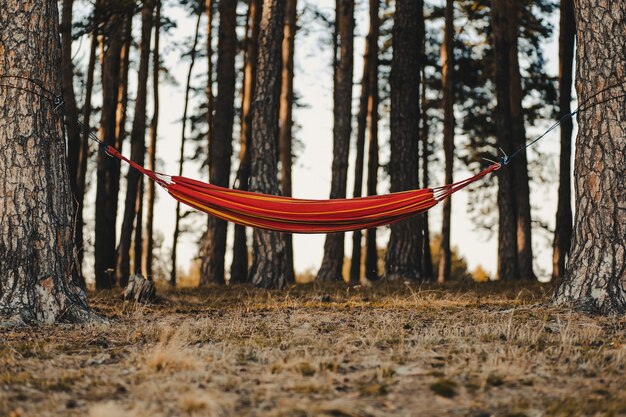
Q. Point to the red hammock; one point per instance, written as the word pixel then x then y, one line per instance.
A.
pixel 293 215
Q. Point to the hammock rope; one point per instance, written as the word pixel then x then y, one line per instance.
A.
pixel 293 215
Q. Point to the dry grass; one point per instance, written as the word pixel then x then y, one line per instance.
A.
pixel 463 350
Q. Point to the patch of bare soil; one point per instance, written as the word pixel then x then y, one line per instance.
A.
pixel 461 350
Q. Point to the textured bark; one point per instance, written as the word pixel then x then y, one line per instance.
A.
pixel 286 122
pixel 108 168
pixel 148 241
pixel 332 263
pixel 137 149
pixel 518 140
pixel 221 145
pixel 447 82
pixel 563 230
pixel 404 254
pixel 371 250
pixel 39 267
pixel 83 156
pixel 239 266
pixel 268 251
pixel 595 275
pixel 183 140
pixel 507 231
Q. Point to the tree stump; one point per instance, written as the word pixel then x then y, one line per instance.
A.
pixel 139 289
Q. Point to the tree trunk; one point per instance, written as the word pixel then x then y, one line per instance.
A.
pixel 108 168
pixel 69 98
pixel 447 82
pixel 595 274
pixel 221 146
pixel 371 250
pixel 138 233
pixel 427 261
pixel 39 268
pixel 138 148
pixel 83 156
pixel 518 136
pixel 563 230
pixel 148 241
pixel 268 250
pixel 507 232
pixel 239 266
pixel 332 263
pixel 355 262
pixel 183 139
pixel 286 121
pixel 404 254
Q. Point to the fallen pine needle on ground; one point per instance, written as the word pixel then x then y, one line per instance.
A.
pixel 317 350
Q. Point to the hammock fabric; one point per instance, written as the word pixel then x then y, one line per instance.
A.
pixel 292 215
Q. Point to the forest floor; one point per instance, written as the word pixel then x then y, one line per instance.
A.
pixel 313 350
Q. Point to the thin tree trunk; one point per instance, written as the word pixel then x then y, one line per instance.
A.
pixel 69 98
pixel 221 146
pixel 518 136
pixel 332 263
pixel 239 266
pixel 427 260
pixel 371 249
pixel 447 81
pixel 507 232
pixel 268 249
pixel 286 121
pixel 83 156
pixel 595 275
pixel 108 168
pixel 355 263
pixel 39 269
pixel 148 242
pixel 138 233
pixel 563 230
pixel 183 139
pixel 138 147
pixel 404 253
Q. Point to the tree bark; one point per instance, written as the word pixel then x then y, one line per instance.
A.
pixel 148 241
pixel 39 268
pixel 595 274
pixel 137 150
pixel 286 121
pixel 447 81
pixel 183 141
pixel 518 140
pixel 563 230
pixel 371 249
pixel 332 263
pixel 239 266
pixel 268 251
pixel 221 146
pixel 507 232
pixel 404 254
pixel 108 168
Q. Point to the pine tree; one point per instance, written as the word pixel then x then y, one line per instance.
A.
pixel 221 145
pixel 332 263
pixel 39 268
pixel 268 248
